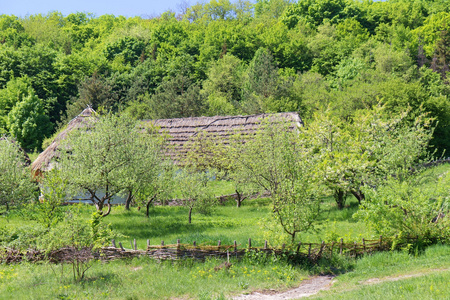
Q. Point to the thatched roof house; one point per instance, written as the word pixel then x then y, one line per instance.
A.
pixel 45 161
pixel 184 130
pixel 178 132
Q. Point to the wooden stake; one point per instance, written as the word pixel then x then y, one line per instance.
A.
pixel 148 244
pixel 235 247
pixel 341 246
pixel 113 242
pixel 265 244
pixel 135 245
pixel 364 244
pixel 162 243
pixel 249 243
pixel 121 247
pixel 195 244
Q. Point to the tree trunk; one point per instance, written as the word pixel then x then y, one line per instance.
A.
pixel 190 213
pixel 358 195
pixel 108 211
pixel 128 200
pixel 147 213
pixel 339 196
pixel 239 198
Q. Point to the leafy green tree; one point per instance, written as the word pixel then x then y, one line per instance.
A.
pixel 194 190
pixel 16 186
pixel 414 207
pixel 278 161
pixel 101 160
pixel 366 150
pixel 29 123
pixel 222 88
pixel 15 91
pixel 261 82
pixel 176 98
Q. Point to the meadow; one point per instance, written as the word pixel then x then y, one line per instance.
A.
pixel 389 275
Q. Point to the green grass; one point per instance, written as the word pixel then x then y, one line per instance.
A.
pixel 147 279
pixel 144 279
pixel 399 275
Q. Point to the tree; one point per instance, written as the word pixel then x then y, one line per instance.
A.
pixel 16 186
pixel 176 98
pixel 278 161
pixel 101 159
pixel 367 149
pixel 29 123
pixel 194 189
pixel 417 207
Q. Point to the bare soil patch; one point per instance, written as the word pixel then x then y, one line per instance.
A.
pixel 307 288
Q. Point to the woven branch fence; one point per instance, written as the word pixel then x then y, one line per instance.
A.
pixel 305 251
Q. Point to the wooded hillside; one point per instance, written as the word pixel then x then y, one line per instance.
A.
pixel 223 58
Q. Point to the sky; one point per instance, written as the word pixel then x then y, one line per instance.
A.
pixel 128 8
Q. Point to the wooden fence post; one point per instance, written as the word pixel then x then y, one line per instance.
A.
pixel 380 243
pixel 364 245
pixel 218 245
pixel 331 250
pixel 235 247
pixel 148 244
pixel 121 247
pixel 135 245
pixel 265 245
pixel 162 243
pixel 354 248
pixel 113 242
pixel 249 244
pixel 195 244
pixel 341 246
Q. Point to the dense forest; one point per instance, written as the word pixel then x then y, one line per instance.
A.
pixel 223 58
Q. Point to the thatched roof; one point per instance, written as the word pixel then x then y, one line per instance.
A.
pixel 181 131
pixel 178 132
pixel 26 158
pixel 45 160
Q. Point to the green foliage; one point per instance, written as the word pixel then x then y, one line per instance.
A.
pixel 108 158
pixel 29 123
pixel 415 207
pixel 194 190
pixel 277 161
pixel 54 193
pixel 16 186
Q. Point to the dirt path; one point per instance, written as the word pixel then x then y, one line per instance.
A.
pixel 307 288
pixel 320 283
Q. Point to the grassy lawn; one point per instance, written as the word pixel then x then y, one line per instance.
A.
pixel 396 275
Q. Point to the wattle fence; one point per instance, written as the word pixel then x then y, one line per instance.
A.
pixel 302 251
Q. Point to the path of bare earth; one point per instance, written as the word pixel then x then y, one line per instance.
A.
pixel 320 283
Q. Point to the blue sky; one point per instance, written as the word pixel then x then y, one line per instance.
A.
pixel 126 8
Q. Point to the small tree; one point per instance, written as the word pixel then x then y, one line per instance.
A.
pixel 16 186
pixel 54 192
pixel 277 161
pixel 366 150
pixel 416 207
pixel 106 159
pixel 77 240
pixel 194 189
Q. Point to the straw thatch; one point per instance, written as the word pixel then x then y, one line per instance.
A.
pixel 178 132
pixel 26 158
pixel 45 161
